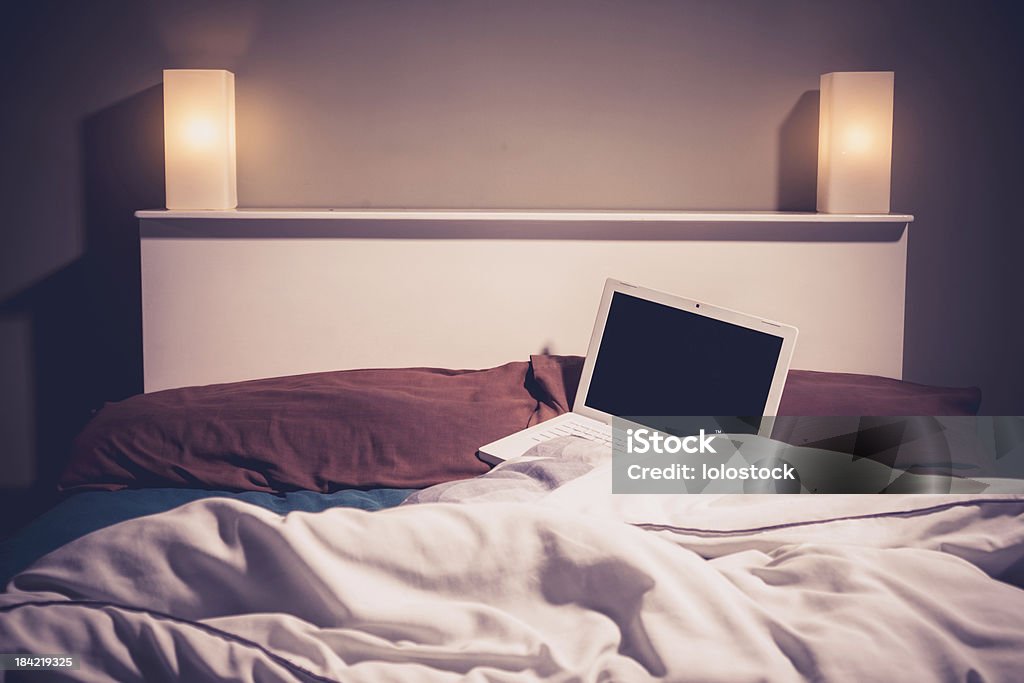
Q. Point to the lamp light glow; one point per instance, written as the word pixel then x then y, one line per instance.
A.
pixel 199 139
pixel 855 142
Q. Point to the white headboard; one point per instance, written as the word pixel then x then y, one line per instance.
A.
pixel 245 294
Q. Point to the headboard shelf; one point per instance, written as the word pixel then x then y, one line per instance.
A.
pixel 596 215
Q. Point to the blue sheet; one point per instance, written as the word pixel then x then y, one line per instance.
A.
pixel 84 513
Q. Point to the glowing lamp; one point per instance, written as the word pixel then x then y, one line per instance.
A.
pixel 199 139
pixel 855 142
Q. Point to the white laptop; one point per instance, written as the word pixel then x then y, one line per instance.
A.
pixel 656 354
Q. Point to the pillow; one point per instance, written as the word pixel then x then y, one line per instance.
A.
pixel 404 428
pixel 806 392
pixel 837 393
pixel 897 423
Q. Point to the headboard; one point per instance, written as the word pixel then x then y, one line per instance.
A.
pixel 234 295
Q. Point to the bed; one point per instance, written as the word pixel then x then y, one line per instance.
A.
pixel 337 527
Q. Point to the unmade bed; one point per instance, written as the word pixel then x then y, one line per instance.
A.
pixel 338 527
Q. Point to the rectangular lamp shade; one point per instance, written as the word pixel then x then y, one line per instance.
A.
pixel 199 139
pixel 855 142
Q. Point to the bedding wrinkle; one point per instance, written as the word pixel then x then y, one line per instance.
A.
pixel 834 569
pixel 567 580
pixel 119 626
pixel 921 592
pixel 796 651
pixel 943 582
pixel 155 655
pixel 795 639
pixel 361 648
pixel 256 554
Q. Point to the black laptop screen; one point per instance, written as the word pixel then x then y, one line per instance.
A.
pixel 659 360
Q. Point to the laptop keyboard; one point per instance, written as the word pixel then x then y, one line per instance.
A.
pixel 573 428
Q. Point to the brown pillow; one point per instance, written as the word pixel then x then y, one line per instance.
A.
pixel 837 393
pixel 806 393
pixel 359 428
pixel 862 415
pixel 899 424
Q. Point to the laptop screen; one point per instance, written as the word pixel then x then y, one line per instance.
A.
pixel 656 360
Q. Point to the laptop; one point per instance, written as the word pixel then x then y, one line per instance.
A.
pixel 656 354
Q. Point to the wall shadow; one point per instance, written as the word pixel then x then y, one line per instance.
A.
pixel 123 170
pixel 798 155
pixel 86 319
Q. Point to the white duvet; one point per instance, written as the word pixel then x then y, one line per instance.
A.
pixel 561 582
